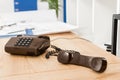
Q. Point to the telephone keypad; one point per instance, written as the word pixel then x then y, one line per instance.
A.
pixel 23 41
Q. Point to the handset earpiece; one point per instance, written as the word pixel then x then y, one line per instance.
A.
pixel 98 64
pixel 68 57
pixel 64 57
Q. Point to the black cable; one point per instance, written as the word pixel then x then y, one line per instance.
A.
pixel 56 48
pixel 50 53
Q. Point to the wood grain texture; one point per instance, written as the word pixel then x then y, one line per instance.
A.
pixel 38 68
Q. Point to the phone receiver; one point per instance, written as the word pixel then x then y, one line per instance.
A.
pixel 97 64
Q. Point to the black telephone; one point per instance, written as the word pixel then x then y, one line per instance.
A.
pixel 27 45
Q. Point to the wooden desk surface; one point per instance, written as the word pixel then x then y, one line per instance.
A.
pixel 38 68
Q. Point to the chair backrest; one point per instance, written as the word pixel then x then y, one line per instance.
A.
pixel 115 35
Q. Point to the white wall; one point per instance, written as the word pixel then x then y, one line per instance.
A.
pixel 94 18
pixel 85 18
pixel 60 16
pixel 103 11
pixel 79 12
pixel 6 6
pixel 71 11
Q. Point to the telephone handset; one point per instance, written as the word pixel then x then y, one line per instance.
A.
pixel 27 45
pixel 98 64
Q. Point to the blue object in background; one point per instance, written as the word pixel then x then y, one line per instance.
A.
pixel 64 11
pixel 25 5
pixel 29 31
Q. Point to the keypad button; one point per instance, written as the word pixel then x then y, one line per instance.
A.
pixel 23 41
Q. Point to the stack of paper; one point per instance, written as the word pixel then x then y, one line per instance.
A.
pixel 40 22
